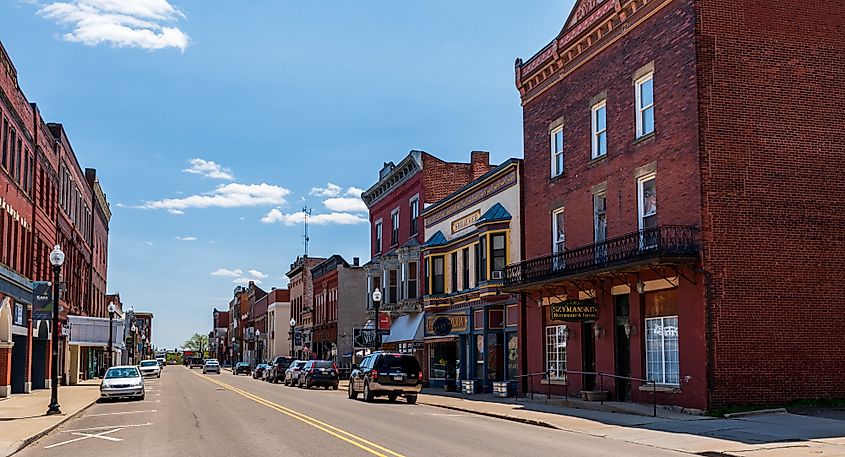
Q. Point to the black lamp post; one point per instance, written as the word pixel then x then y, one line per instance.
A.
pixel 376 304
pixel 57 258
pixel 258 345
pixel 292 340
pixel 111 341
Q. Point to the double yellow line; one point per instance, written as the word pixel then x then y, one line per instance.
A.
pixel 342 435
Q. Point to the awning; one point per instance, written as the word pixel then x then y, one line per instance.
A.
pixel 405 328
pixel 94 332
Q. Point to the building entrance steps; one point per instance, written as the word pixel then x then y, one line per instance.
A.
pixel 23 418
pixel 778 434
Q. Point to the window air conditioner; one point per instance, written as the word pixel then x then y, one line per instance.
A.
pixel 498 274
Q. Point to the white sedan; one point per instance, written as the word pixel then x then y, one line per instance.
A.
pixel 122 382
pixel 150 368
pixel 211 366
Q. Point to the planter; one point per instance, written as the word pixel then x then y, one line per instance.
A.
pixel 469 387
pixel 595 395
pixel 504 389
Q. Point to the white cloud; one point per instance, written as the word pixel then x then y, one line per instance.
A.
pixel 345 204
pixel 150 243
pixel 318 219
pixel 177 212
pixel 209 169
pixel 225 196
pixel 186 238
pixel 145 24
pixel 246 281
pixel 229 273
pixel 354 192
pixel 331 190
pixel 257 274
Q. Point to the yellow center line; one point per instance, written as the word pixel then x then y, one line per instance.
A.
pixel 340 434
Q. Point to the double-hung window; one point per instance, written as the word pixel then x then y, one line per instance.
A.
pixel 599 129
pixel 558 237
pixel 499 252
pixel 415 215
pixel 482 259
pixel 453 273
pixel 647 211
pixel 556 352
pixel 661 357
pixel 412 279
pixel 378 236
pixel 600 226
pixel 393 287
pixel 394 227
pixel 437 273
pixel 465 258
pixel 557 151
pixel 645 104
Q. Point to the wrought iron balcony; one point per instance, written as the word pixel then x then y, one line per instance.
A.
pixel 665 243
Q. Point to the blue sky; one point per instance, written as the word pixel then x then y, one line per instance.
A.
pixel 276 99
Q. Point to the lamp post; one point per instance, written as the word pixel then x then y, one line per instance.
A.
pixel 258 346
pixel 234 349
pixel 143 346
pixel 111 341
pixel 134 330
pixel 292 325
pixel 376 304
pixel 57 258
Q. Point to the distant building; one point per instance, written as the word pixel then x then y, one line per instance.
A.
pixel 340 304
pixel 302 303
pixel 278 323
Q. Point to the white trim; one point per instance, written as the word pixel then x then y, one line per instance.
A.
pixel 379 228
pixel 554 153
pixel 555 230
pixel 594 132
pixel 640 209
pixel 639 109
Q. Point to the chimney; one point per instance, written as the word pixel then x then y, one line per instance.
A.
pixel 355 261
pixel 480 161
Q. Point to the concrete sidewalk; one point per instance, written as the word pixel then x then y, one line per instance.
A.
pixel 23 418
pixel 766 435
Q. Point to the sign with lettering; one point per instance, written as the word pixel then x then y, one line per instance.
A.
pixel 42 306
pixel 17 317
pixel 465 222
pixel 574 310
pixel 500 184
pixel 364 337
pixel 581 13
pixel 448 323
pixel 384 323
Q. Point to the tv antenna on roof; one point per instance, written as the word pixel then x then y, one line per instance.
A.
pixel 306 212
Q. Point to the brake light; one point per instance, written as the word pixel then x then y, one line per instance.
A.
pixel 311 371
pixel 374 374
pixel 334 366
pixel 419 376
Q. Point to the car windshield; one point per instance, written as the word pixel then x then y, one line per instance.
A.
pixel 243 364
pixel 300 365
pixel 149 363
pixel 403 363
pixel 126 372
pixel 211 362
pixel 323 364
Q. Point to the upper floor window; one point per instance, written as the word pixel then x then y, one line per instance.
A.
pixel 499 252
pixel 481 255
pixel 453 273
pixel 415 215
pixel 412 279
pixel 437 275
pixel 647 190
pixel 394 227
pixel 465 258
pixel 599 129
pixel 645 104
pixel 4 143
pixel 557 151
pixel 558 235
pixel 378 236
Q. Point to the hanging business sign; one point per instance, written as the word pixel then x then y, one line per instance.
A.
pixel 384 323
pixel 574 310
pixel 363 338
pixel 42 306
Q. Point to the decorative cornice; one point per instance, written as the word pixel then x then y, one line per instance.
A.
pixel 587 33
pixel 408 167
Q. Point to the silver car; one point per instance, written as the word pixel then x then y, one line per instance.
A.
pixel 122 382
pixel 293 371
pixel 211 366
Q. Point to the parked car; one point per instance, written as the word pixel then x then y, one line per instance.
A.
pixel 278 367
pixel 161 362
pixel 122 382
pixel 293 371
pixel 150 368
pixel 172 362
pixel 241 367
pixel 258 372
pixel 386 374
pixel 211 366
pixel 319 373
pixel 196 362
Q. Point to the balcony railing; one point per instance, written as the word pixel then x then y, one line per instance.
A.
pixel 666 241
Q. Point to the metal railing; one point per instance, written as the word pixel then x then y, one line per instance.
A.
pixel 656 242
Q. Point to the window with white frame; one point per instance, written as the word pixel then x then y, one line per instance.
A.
pixel 647 210
pixel 644 88
pixel 599 129
pixel 557 151
pixel 556 352
pixel 415 215
pixel 662 359
pixel 558 235
pixel 378 236
pixel 394 227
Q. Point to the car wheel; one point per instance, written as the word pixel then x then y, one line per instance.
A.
pixel 391 397
pixel 334 387
pixel 307 383
pixel 159 375
pixel 411 399
pixel 141 398
pixel 351 392
pixel 368 394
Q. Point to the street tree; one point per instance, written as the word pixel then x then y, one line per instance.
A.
pixel 197 343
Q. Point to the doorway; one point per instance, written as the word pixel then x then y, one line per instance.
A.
pixel 588 351
pixel 623 348
pixel 39 363
pixel 19 364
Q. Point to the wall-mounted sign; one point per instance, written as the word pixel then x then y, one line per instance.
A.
pixel 450 323
pixel 363 337
pixel 574 310
pixel 384 323
pixel 17 317
pixel 42 306
pixel 465 222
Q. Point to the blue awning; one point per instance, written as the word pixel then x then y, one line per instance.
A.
pixel 405 328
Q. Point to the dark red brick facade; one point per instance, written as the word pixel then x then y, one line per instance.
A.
pixel 747 122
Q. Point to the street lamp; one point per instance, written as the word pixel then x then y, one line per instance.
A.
pixel 143 345
pixel 234 359
pixel 258 345
pixel 111 327
pixel 57 258
pixel 292 325
pixel 376 304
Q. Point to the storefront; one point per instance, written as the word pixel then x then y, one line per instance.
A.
pixel 446 337
pixel 406 337
pixel 88 345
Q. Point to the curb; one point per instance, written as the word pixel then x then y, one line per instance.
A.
pixel 43 433
pixel 758 412
pixel 521 420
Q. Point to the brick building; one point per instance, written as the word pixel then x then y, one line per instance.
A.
pixel 46 198
pixel 395 204
pixel 278 323
pixel 219 336
pixel 340 304
pixel 675 152
pixel 302 303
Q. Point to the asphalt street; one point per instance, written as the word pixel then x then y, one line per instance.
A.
pixel 186 413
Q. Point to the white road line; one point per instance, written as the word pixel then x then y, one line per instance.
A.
pixel 122 412
pixel 106 427
pixel 85 436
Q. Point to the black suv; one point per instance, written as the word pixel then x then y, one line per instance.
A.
pixel 319 373
pixel 387 374
pixel 278 367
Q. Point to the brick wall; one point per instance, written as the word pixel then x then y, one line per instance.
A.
pixel 771 160
pixel 442 178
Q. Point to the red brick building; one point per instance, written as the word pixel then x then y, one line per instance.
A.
pixel 45 199
pixel 677 154
pixel 395 204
